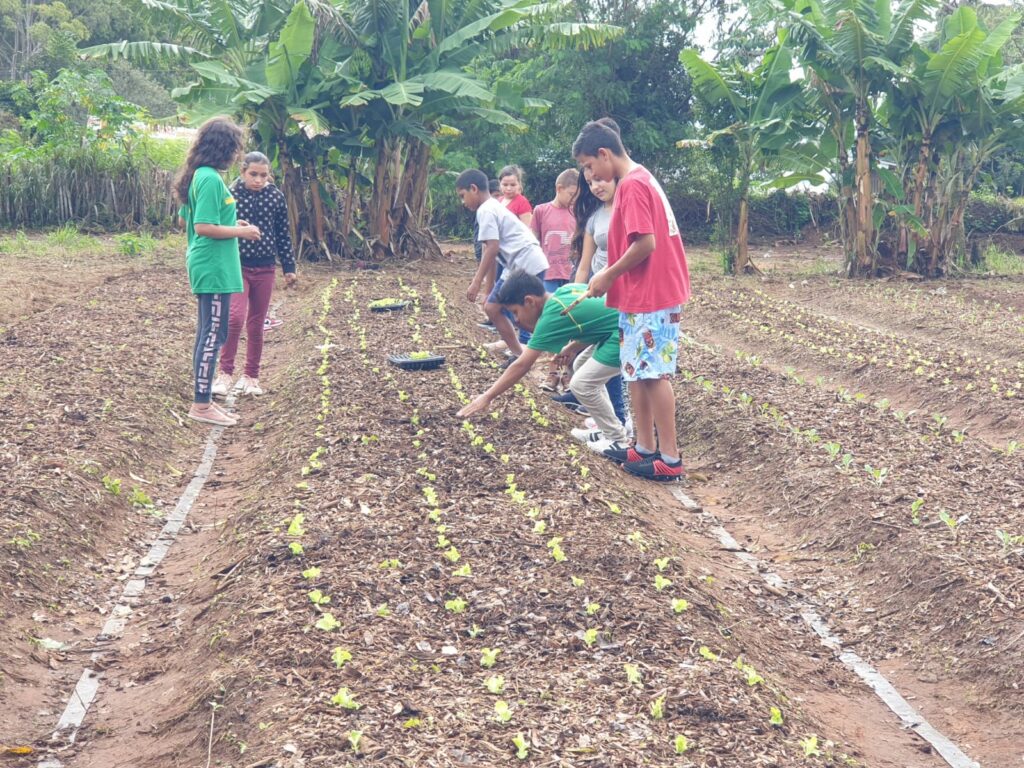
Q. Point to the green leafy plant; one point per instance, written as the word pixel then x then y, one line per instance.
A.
pixel 521 745
pixel 590 637
pixel 661 563
pixel 681 744
pixel 340 657
pixel 141 499
pixel 295 548
pixel 327 623
pixel 295 526
pixel 915 509
pixel 489 657
pixel 708 654
pixel 593 608
pixel 633 674
pixel 810 746
pixel 354 737
pixel 311 573
pixel 495 684
pixel 318 598
pixel 383 610
pixel 502 711
pixel 679 605
pixel 112 485
pixel 658 708
pixel 458 605
pixel 344 699
pixel 775 716
pixel 660 582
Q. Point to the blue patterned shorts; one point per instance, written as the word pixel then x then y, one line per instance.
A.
pixel 649 344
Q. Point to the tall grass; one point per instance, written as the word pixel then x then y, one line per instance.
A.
pixel 88 185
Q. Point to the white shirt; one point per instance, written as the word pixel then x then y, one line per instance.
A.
pixel 517 246
pixel 597 226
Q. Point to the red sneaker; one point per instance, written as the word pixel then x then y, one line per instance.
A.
pixel 656 468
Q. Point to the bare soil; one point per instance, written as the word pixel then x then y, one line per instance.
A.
pixel 436 539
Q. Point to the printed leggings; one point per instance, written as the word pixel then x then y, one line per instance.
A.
pixel 211 333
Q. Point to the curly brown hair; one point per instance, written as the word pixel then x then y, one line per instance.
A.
pixel 217 144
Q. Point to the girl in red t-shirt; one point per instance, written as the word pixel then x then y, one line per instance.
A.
pixel 511 181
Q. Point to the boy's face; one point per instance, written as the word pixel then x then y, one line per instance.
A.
pixel 599 166
pixel 564 195
pixel 527 313
pixel 472 198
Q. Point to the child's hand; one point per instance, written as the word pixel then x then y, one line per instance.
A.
pixel 247 231
pixel 480 404
pixel 600 283
pixel 290 279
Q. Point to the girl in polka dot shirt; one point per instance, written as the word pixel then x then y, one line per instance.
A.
pixel 261 204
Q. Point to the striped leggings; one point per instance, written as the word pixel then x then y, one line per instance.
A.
pixel 211 333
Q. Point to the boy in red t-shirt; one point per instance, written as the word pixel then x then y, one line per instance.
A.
pixel 647 281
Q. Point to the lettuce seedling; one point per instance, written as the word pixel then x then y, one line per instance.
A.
pixel 495 684
pixel 311 573
pixel 489 657
pixel 340 657
pixel 775 717
pixel 521 744
pixel 658 708
pixel 344 699
pixel 633 674
pixel 681 744
pixel 502 711
pixel 327 623
pixel 458 605
pixel 679 604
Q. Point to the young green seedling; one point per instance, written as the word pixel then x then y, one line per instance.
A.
pixel 489 657
pixel 590 637
pixel 679 604
pixel 593 608
pixel 660 582
pixel 502 711
pixel 658 708
pixel 522 746
pixel 340 657
pixel 327 623
pixel 633 674
pixel 354 737
pixel 495 684
pixel 318 598
pixel 344 699
pixel 775 717
pixel 681 744
pixel 458 605
pixel 311 573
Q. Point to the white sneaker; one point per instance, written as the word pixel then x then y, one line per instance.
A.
pixel 600 446
pixel 588 435
pixel 246 385
pixel 222 384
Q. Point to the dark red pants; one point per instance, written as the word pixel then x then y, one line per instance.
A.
pixel 248 309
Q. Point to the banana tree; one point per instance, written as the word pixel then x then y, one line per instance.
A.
pixel 956 105
pixel 850 48
pixel 354 90
pixel 758 105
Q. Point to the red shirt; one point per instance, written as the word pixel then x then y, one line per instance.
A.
pixel 554 228
pixel 518 205
pixel 660 281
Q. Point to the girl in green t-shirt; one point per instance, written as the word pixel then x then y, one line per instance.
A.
pixel 214 269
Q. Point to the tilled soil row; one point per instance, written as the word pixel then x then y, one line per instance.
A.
pixel 934 314
pixel 90 401
pixel 983 394
pixel 437 549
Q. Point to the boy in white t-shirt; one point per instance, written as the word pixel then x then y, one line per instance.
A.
pixel 506 240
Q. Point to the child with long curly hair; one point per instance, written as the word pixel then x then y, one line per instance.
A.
pixel 214 268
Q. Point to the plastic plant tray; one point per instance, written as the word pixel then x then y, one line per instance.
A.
pixel 410 363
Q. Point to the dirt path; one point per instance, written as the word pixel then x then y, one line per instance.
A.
pixel 350 492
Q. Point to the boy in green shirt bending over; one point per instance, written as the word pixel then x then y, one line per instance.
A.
pixel 588 325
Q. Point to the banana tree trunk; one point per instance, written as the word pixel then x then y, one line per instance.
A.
pixel 865 198
pixel 319 220
pixel 742 236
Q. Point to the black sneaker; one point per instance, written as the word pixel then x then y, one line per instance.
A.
pixel 656 468
pixel 629 454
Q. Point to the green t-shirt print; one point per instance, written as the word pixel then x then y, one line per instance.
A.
pixel 590 322
pixel 213 265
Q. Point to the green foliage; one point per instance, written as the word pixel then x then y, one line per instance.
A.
pixel 63 166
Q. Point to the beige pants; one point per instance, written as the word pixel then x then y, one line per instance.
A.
pixel 588 384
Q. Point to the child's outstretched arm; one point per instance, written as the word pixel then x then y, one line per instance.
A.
pixel 506 381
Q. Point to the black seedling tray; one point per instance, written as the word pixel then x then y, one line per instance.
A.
pixel 395 307
pixel 408 363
